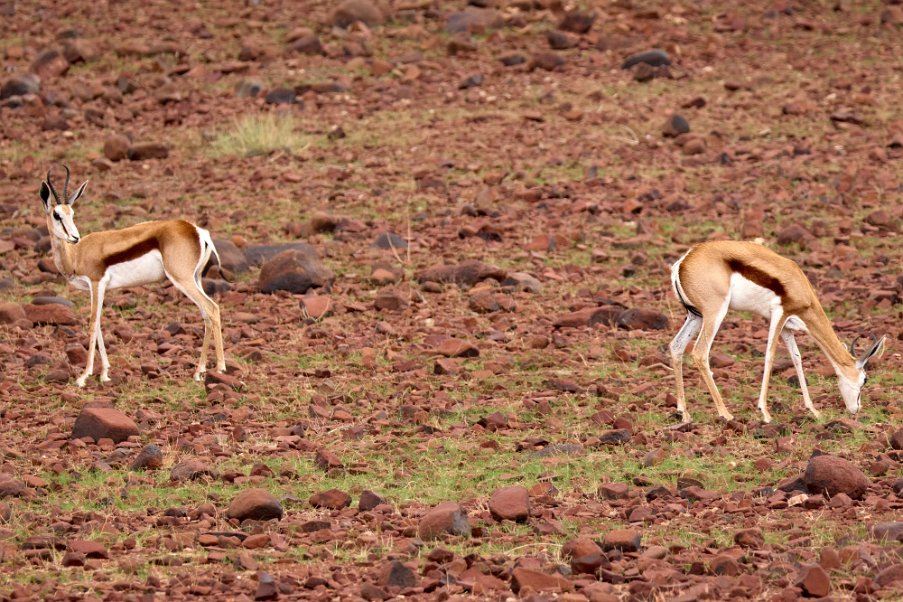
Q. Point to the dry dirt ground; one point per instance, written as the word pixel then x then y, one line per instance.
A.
pixel 486 431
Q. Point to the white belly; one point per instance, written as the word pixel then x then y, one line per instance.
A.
pixel 146 269
pixel 746 295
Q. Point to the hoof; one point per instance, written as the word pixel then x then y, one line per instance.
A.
pixel 80 382
pixel 199 376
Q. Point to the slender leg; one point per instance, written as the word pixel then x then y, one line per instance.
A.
pixel 701 350
pixel 777 324
pixel 93 328
pixel 104 362
pixel 687 332
pixel 797 359
pixel 211 314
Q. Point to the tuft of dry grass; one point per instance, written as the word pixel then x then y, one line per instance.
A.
pixel 257 135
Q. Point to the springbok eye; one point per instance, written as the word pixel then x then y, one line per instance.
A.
pixel 57 217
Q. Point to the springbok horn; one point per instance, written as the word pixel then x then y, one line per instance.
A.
pixel 66 184
pixel 853 346
pixel 52 189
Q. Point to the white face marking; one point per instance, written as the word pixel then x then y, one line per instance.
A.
pixel 146 269
pixel 62 224
pixel 746 295
pixel 851 391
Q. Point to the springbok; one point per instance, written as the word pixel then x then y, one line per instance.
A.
pixel 141 254
pixel 713 277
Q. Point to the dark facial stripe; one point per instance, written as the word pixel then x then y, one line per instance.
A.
pixel 134 252
pixel 757 276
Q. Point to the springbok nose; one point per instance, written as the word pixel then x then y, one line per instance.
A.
pixel 75 239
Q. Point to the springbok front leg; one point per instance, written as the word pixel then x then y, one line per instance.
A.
pixel 687 332
pixel 797 360
pixel 711 323
pixel 97 294
pixel 775 327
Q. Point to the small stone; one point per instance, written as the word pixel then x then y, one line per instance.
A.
pixel 793 233
pixel 547 61
pixel 814 581
pixel 445 518
pixel 116 148
pixel 255 504
pixel 615 437
pixel 104 423
pixel 749 538
pixel 266 587
pixel 333 499
pixel 309 43
pixel 473 20
pixel 582 546
pixel 396 574
pixel 280 96
pixel 654 58
pixel 523 578
pixel 148 150
pixel 54 314
pixel 249 88
pixel 316 306
pixel 350 12
pixel 642 319
pixel 389 241
pixel 389 300
pixel 674 126
pixel 896 440
pixel 149 458
pixel 577 22
pixel 510 503
pixel 890 531
pixel 327 460
pixel 371 592
pixel 457 348
pixel 90 549
pixel 613 491
pixel 20 85
pixel 560 40
pixel 191 469
pixel 11 313
pixel 626 540
pixel 369 500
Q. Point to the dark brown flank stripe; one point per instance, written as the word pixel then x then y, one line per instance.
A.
pixel 758 276
pixel 134 252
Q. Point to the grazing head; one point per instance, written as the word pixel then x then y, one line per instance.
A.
pixel 58 209
pixel 851 383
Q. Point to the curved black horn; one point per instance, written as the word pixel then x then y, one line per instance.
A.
pixel 853 346
pixel 52 189
pixel 66 184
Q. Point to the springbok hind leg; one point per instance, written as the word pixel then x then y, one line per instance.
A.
pixel 777 325
pixel 701 350
pixel 678 346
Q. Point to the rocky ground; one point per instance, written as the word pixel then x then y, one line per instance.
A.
pixel 446 232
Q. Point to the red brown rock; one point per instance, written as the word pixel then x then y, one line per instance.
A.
pixel 830 475
pixel 333 499
pixel 445 518
pixel 523 578
pixel 510 503
pixel 104 423
pixel 814 581
pixel 255 504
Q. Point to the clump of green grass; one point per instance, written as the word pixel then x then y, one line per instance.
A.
pixel 257 135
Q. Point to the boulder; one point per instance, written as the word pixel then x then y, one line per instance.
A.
pixel 116 147
pixel 148 150
pixel 231 257
pixel 830 475
pixel 11 312
pixel 295 271
pixel 626 540
pixel 191 470
pixel 523 578
pixel 53 314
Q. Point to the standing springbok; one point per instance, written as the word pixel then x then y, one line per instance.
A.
pixel 141 254
pixel 716 276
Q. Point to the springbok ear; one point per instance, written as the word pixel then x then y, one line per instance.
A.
pixel 45 197
pixel 875 350
pixel 77 193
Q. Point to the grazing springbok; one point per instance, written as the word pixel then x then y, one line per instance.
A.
pixel 716 276
pixel 141 254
